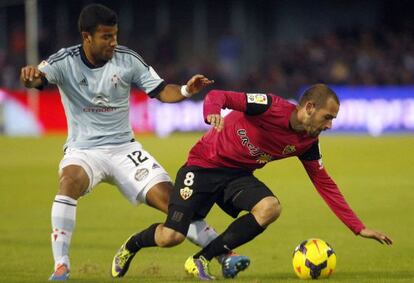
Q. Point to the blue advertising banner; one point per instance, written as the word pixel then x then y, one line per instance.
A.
pixel 364 110
pixel 375 110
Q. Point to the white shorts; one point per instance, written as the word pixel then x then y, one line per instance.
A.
pixel 127 166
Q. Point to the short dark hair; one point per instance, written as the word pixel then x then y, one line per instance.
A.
pixel 96 14
pixel 319 93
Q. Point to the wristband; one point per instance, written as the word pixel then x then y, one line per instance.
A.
pixel 184 91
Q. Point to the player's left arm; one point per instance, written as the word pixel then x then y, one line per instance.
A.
pixel 331 194
pixel 147 79
pixel 174 93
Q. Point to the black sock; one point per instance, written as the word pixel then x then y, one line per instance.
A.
pixel 143 239
pixel 241 231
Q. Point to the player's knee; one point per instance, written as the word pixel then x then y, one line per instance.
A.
pixel 170 238
pixel 267 210
pixel 276 209
pixel 71 186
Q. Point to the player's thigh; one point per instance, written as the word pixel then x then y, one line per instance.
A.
pixel 136 172
pixel 243 194
pixel 79 171
pixel 158 196
pixel 194 193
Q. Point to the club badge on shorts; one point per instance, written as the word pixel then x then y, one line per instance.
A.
pixel 186 192
pixel 141 174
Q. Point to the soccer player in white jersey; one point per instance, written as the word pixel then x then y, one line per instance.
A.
pixel 94 80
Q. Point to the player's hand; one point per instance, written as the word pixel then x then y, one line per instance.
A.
pixel 216 121
pixel 371 234
pixel 197 83
pixel 30 74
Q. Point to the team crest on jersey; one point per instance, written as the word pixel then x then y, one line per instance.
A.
pixel 115 80
pixel 141 174
pixel 289 149
pixel 257 98
pixel 186 193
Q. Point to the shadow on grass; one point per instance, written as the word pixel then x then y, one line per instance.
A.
pixel 382 275
pixel 368 276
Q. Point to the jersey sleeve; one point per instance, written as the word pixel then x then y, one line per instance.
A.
pixel 249 103
pixel 331 194
pixel 54 67
pixel 313 153
pixel 145 78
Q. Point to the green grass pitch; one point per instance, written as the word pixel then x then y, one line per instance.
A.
pixel 375 174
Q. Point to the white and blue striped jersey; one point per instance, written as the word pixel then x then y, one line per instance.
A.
pixel 96 99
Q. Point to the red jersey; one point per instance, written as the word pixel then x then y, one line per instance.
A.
pixel 257 132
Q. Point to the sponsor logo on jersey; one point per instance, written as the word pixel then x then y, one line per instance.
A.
pixel 186 193
pixel 245 141
pixel 100 100
pixel 260 155
pixel 289 149
pixel 141 174
pixel 258 98
pixel 99 110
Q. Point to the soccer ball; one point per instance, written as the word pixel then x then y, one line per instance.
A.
pixel 314 258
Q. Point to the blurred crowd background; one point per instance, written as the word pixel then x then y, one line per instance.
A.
pixel 252 45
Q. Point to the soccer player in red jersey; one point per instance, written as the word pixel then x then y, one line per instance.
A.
pixel 220 168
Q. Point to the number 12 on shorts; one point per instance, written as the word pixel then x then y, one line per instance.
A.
pixel 137 158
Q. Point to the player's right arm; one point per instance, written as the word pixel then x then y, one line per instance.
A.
pixel 48 71
pixel 249 103
pixel 32 77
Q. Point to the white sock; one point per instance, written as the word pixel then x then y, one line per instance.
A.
pixel 200 233
pixel 63 223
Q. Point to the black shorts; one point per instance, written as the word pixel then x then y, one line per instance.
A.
pixel 197 189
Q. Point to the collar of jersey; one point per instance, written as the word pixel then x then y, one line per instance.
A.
pixel 86 61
